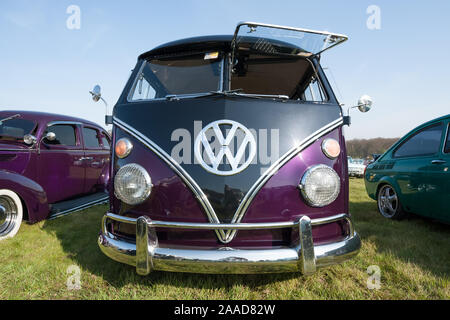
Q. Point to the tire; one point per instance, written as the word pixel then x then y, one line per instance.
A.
pixel 389 204
pixel 11 214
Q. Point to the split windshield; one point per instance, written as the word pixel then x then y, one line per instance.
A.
pixel 253 74
pixel 189 74
pixel 292 77
pixel 256 74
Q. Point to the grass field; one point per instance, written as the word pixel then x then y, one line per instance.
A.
pixel 413 256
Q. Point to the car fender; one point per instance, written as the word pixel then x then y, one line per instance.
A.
pixel 32 194
pixel 103 180
pixel 391 181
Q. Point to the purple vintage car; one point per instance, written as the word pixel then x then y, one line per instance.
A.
pixel 229 157
pixel 50 165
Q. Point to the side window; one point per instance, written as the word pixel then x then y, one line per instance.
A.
pixel 90 137
pixel 314 92
pixel 143 90
pixel 424 142
pixel 65 135
pixel 447 143
pixel 105 141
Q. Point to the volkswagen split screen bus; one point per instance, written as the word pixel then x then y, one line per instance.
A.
pixel 229 157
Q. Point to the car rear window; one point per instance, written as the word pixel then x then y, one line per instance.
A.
pixel 105 141
pixel 422 143
pixel 90 137
pixel 65 135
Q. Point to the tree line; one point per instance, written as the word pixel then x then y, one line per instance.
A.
pixel 364 148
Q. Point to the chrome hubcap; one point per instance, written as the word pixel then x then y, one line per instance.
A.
pixel 2 215
pixel 387 201
pixel 8 215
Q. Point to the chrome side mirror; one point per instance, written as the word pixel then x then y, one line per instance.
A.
pixel 365 103
pixel 96 93
pixel 50 136
pixel 29 139
pixel 96 96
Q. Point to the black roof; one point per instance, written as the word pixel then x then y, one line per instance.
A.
pixel 217 42
pixel 191 44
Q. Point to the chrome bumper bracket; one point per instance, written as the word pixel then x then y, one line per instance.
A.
pixel 144 263
pixel 306 255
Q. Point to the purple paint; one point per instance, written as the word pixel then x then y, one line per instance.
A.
pixel 278 200
pixel 54 174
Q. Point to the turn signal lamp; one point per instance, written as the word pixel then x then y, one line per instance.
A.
pixel 331 148
pixel 123 148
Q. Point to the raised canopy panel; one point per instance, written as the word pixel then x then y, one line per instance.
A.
pixel 284 40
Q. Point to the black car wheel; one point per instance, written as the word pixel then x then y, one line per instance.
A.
pixel 389 204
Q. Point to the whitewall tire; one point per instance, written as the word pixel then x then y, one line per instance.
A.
pixel 11 214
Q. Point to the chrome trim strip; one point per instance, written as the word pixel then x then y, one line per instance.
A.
pixel 146 255
pixel 79 208
pixel 53 123
pixel 62 150
pixel 326 33
pixel 235 226
pixel 222 73
pixel 248 198
pixel 198 192
pixel 97 151
pixel 18 150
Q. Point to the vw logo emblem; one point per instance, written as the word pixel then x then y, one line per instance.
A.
pixel 224 154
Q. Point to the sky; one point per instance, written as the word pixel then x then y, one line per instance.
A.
pixel 397 54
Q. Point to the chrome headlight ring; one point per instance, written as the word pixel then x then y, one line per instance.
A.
pixel 132 184
pixel 320 186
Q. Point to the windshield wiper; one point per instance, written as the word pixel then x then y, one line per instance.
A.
pixel 227 93
pixel 238 92
pixel 9 118
pixel 172 97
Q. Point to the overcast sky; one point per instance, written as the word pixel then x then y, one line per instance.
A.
pixel 402 60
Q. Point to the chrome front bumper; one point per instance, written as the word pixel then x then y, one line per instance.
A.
pixel 146 255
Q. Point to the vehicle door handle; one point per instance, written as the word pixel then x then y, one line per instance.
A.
pixel 438 162
pixel 86 158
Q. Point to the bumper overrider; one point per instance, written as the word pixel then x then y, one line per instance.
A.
pixel 305 257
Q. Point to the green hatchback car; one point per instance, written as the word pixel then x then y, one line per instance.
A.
pixel 413 176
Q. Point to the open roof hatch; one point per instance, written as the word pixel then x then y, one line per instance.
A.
pixel 275 39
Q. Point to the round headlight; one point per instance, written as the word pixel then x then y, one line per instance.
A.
pixel 320 186
pixel 132 184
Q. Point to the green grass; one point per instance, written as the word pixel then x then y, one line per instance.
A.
pixel 413 256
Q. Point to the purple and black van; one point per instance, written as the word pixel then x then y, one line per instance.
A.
pixel 50 165
pixel 229 157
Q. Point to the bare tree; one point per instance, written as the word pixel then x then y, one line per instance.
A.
pixel 364 148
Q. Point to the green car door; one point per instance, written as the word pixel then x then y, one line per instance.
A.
pixel 415 169
pixel 439 198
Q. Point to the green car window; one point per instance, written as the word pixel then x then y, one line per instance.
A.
pixel 422 143
pixel 447 144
